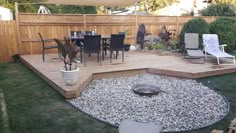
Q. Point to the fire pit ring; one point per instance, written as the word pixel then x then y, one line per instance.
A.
pixel 146 89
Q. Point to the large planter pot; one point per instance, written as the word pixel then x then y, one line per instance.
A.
pixel 70 77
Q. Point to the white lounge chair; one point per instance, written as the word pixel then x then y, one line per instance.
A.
pixel 212 47
pixel 191 47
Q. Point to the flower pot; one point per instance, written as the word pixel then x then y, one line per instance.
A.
pixel 126 47
pixel 70 77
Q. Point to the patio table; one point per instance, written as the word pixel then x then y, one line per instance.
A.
pixel 79 42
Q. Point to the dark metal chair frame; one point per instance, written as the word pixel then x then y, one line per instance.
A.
pixel 191 45
pixel 92 44
pixel 116 44
pixel 44 47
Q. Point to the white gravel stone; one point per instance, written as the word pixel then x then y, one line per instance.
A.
pixel 183 105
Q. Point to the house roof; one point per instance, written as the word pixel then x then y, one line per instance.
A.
pixel 119 3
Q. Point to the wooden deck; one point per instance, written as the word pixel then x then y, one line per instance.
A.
pixel 135 63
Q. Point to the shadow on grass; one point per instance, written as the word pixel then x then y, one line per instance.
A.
pixel 35 107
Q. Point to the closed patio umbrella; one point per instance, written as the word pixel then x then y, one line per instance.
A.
pixel 120 3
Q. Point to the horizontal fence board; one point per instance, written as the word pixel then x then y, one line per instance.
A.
pixel 48 18
pixel 60 25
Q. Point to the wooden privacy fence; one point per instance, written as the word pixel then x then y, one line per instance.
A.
pixel 60 25
pixel 8 40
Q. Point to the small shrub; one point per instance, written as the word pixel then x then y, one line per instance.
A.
pixel 219 10
pixel 156 46
pixel 196 25
pixel 225 29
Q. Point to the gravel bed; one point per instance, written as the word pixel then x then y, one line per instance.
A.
pixel 183 104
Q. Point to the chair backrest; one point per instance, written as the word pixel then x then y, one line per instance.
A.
pixel 41 38
pixel 191 40
pixel 121 33
pixel 212 43
pixel 117 41
pixel 88 32
pixel 92 43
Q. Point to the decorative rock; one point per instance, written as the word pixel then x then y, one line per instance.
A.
pixel 184 105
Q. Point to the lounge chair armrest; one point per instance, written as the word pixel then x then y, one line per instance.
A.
pixel 48 40
pixel 148 34
pixel 222 47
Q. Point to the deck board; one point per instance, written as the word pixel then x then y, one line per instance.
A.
pixel 135 63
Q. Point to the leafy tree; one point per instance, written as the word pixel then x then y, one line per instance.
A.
pixel 219 10
pixel 224 1
pixel 33 8
pixel 5 3
pixel 153 5
pixel 196 25
pixel 26 7
pixel 101 10
pixel 225 29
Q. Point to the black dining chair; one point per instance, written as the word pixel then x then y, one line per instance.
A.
pixel 116 44
pixel 46 47
pixel 92 44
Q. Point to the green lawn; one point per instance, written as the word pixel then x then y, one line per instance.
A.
pixel 35 107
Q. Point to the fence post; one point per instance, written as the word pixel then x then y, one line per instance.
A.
pixel 85 23
pixel 136 26
pixel 177 28
pixel 18 28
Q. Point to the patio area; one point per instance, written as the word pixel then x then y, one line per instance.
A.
pixel 164 63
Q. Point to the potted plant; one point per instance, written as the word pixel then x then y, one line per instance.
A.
pixel 70 70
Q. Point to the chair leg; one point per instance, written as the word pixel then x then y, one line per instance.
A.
pixel 102 53
pixel 84 59
pixel 105 49
pixel 100 58
pixel 43 55
pixel 233 60
pixel 123 58
pixel 218 61
pixel 81 55
pixel 110 56
pixel 117 53
pixel 59 53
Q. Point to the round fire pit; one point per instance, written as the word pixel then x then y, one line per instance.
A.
pixel 146 89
